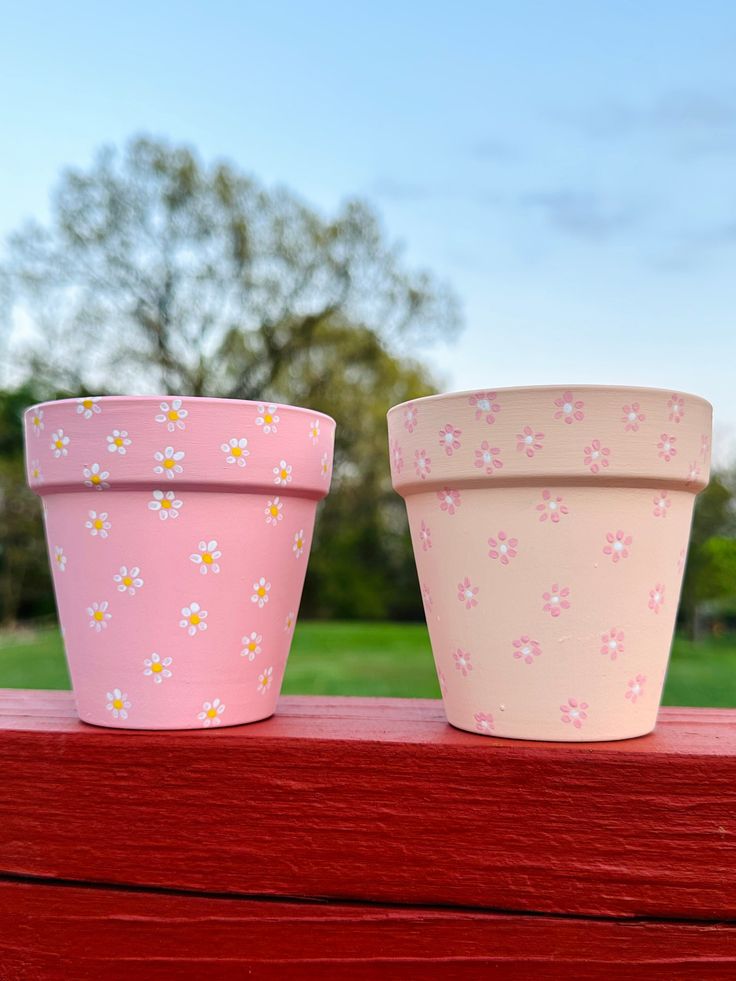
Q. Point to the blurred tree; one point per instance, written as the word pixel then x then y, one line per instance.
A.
pixel 158 273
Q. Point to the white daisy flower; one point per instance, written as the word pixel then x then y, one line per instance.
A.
pixel 172 414
pixel 88 407
pixel 289 622
pixel 97 524
pixel 98 615
pixel 193 618
pixel 267 418
pixel 236 450
pixel 261 590
pixel 273 511
pixel 59 443
pixel 118 442
pixel 157 668
pixel 128 580
pixel 264 680
pixel 118 704
pixel 95 477
pixel 207 556
pixel 60 558
pixel 35 472
pixel 251 645
pixel 325 466
pixel 314 431
pixel 168 462
pixel 37 423
pixel 166 503
pixel 298 546
pixel 211 712
pixel 282 473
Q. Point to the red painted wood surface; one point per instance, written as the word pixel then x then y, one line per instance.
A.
pixel 66 933
pixel 377 801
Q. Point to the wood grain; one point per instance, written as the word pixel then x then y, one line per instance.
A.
pixel 377 801
pixel 82 934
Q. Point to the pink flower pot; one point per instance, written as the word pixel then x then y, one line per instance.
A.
pixel 178 532
pixel 550 527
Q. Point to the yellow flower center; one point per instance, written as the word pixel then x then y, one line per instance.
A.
pixel 261 591
pixel 268 418
pixel 300 543
pixel 117 703
pixel 118 441
pixel 173 415
pixel 60 557
pixel 95 478
pixel 58 444
pixel 284 474
pixel 211 713
pixel 36 421
pixel 165 503
pixel 98 523
pixel 157 666
pixel 207 558
pixel 169 463
pixel 35 472
pixel 127 581
pixel 252 646
pixel 87 403
pixel 194 619
pixel 236 451
pixel 274 511
pixel 98 615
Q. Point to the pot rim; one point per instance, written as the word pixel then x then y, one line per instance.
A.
pixel 74 400
pixel 562 386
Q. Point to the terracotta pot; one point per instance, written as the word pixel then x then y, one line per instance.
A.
pixel 550 527
pixel 178 532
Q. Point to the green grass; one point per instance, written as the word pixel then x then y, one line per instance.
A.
pixel 377 659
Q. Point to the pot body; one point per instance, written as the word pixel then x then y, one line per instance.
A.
pixel 550 528
pixel 178 532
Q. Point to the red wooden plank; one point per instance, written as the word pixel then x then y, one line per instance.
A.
pixel 377 800
pixel 53 932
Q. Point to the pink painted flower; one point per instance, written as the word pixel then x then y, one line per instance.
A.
pixel 704 446
pixel 526 649
pixel 618 545
pixel 450 439
pixel 485 405
pixel 462 661
pixel 466 593
pixel 569 409
pixel 656 597
pixel 422 464
pixel 397 457
pixel 487 457
pixel 636 688
pixel 693 473
pixel 449 500
pixel 503 548
pixel 426 598
pixel 662 504
pixel 676 405
pixel 442 680
pixel 425 536
pixel 551 507
pixel 596 456
pixel 612 643
pixel 483 722
pixel 529 442
pixel 556 600
pixel 632 417
pixel 574 712
pixel 666 447
pixel 410 416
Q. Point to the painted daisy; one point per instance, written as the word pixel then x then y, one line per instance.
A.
pixel 37 423
pixel 35 472
pixel 267 418
pixel 172 414
pixel 128 580
pixel 60 558
pixel 168 462
pixel 88 407
pixel 118 442
pixel 289 622
pixel 264 680
pixel 99 615
pixel 314 431
pixel 273 511
pixel 324 467
pixel 193 618
pixel 118 704
pixel 298 546
pixel 282 473
pixel 95 477
pixel 211 712
pixel 97 524
pixel 261 589
pixel 157 668
pixel 251 645
pixel 166 503
pixel 59 443
pixel 207 556
pixel 236 451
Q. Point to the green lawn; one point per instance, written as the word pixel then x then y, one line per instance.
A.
pixel 376 659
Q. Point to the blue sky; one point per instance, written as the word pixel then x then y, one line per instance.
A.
pixel 569 167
